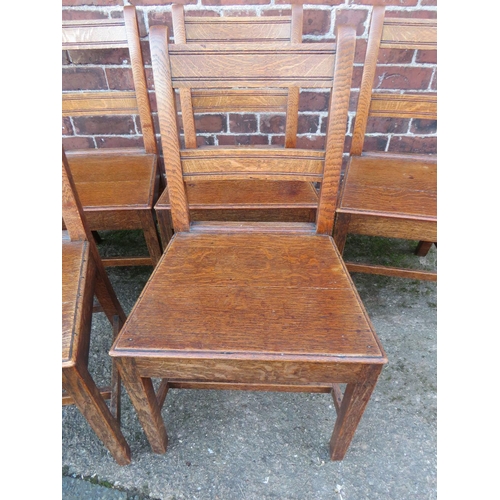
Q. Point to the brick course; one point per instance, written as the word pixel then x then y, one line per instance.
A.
pixel 407 70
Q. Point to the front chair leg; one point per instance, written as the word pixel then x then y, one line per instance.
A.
pixel 143 397
pixel 352 407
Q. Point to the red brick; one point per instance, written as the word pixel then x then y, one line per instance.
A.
pixel 285 11
pixel 375 143
pixel 77 15
pixel 419 126
pixel 71 143
pixel 278 140
pixel 395 56
pixel 426 56
pixel 312 142
pixel 242 140
pixel 272 124
pixel 324 123
pixel 316 22
pixel 65 58
pixel 398 3
pixel 67 128
pixel 205 141
pixel 106 56
pixel 210 123
pixel 242 123
pixel 308 124
pixel 104 125
pixel 413 144
pixel 160 2
pixel 83 79
pixel 106 3
pixel 314 2
pixel 402 77
pixel 155 17
pixel 314 101
pixel 119 142
pixel 202 13
pixel 387 125
pixel 434 81
pixel 429 3
pixel 351 17
pixel 120 78
pixel 234 2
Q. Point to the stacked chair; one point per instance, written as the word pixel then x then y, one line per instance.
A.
pixel 249 199
pixel 117 186
pixel 84 277
pixel 385 194
pixel 251 305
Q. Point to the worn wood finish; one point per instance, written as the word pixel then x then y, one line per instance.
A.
pixel 391 271
pixel 249 305
pixel 387 194
pixel 118 182
pixel 83 276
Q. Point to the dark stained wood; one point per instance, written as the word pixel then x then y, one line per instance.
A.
pixel 250 305
pixel 389 194
pixel 83 275
pixel 119 181
pixel 423 248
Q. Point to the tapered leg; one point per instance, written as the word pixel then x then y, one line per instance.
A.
pixel 351 410
pixel 423 248
pixel 151 235
pixel 340 231
pixel 79 384
pixel 143 397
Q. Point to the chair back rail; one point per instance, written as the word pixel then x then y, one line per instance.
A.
pixel 238 30
pixel 111 34
pixel 256 66
pixel 396 33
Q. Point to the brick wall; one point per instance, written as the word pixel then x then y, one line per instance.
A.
pixel 409 70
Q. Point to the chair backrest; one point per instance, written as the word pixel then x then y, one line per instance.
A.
pixel 78 230
pixel 111 34
pixel 392 33
pixel 238 30
pixel 248 65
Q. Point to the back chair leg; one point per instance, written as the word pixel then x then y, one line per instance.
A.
pixel 340 231
pixel 423 248
pixel 151 235
pixel 81 387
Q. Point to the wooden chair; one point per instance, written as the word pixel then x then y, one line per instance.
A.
pixel 390 194
pixel 251 305
pixel 232 200
pixel 117 187
pixel 83 276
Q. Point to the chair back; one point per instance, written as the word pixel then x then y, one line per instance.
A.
pixel 392 33
pixel 220 30
pixel 111 34
pixel 250 66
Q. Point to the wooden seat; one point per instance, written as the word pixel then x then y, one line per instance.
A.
pixel 83 276
pixel 117 187
pixel 251 305
pixel 234 200
pixel 391 195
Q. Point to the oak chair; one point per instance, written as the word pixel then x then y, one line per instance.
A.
pixel 390 194
pixel 117 186
pixel 251 305
pixel 83 276
pixel 232 200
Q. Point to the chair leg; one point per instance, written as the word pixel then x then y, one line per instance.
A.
pixel 423 248
pixel 143 397
pixel 352 407
pixel 80 385
pixel 340 231
pixel 165 226
pixel 151 235
pixel 116 382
